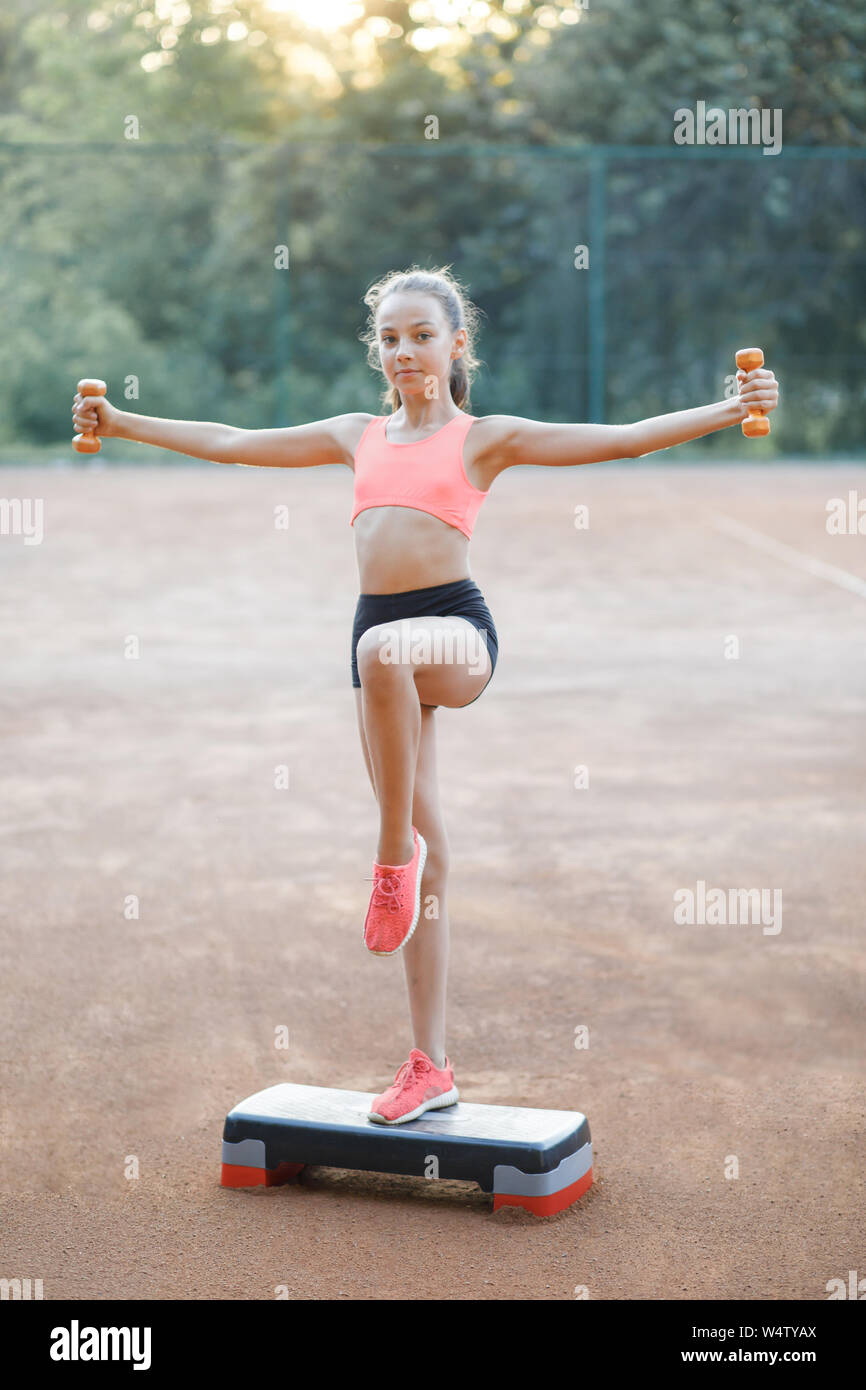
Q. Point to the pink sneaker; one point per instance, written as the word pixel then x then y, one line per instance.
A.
pixel 418 1086
pixel 395 903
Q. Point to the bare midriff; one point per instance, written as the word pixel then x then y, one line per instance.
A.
pixel 400 548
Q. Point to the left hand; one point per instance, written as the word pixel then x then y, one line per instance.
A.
pixel 759 390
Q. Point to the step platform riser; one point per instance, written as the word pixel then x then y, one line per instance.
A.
pixel 540 1160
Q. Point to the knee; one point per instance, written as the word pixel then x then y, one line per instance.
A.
pixel 377 655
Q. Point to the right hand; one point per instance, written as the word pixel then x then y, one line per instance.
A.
pixel 94 415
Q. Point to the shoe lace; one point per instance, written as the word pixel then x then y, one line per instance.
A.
pixel 408 1068
pixel 387 891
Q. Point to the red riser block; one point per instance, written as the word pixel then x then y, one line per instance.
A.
pixel 234 1175
pixel 548 1205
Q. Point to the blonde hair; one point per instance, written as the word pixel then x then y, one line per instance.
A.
pixel 459 312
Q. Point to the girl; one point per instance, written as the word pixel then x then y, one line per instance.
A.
pixel 423 635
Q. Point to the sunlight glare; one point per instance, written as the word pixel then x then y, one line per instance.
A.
pixel 327 15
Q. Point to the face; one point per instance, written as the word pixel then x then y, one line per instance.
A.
pixel 416 344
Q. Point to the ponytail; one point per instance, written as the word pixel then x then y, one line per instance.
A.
pixel 459 382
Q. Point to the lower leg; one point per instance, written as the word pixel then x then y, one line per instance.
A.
pixel 426 964
pixel 392 720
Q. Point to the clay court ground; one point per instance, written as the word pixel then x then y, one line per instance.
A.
pixel 126 1039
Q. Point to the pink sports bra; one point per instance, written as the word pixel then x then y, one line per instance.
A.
pixel 427 475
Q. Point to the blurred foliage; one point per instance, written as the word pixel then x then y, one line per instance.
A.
pixel 153 257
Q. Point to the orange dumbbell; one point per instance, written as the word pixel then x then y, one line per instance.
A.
pixel 88 443
pixel 756 422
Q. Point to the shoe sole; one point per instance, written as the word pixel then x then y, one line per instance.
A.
pixel 422 860
pixel 437 1103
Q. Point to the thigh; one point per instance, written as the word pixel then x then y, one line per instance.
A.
pixel 450 660
pixel 359 710
pixel 446 656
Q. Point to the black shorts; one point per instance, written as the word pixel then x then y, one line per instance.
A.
pixel 460 599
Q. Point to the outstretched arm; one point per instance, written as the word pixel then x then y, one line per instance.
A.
pixel 533 441
pixel 297 446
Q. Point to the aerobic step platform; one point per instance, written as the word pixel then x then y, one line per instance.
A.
pixel 537 1159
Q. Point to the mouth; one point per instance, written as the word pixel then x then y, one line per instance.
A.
pixel 410 371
